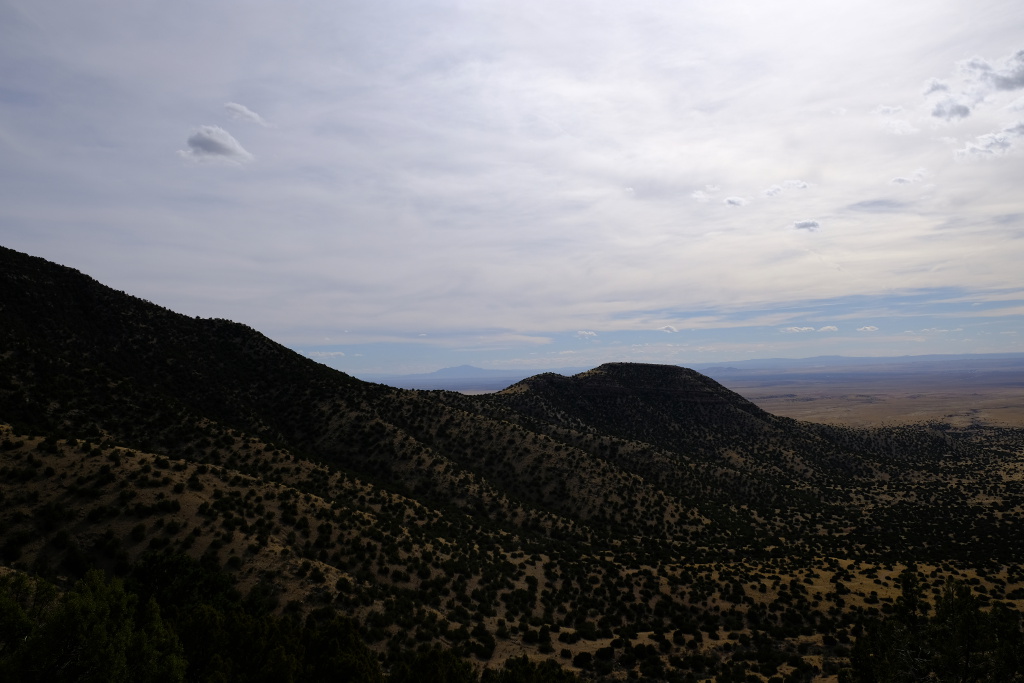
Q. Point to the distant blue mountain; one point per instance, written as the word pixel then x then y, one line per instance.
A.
pixel 467 371
pixel 465 378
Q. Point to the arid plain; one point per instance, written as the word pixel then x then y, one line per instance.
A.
pixel 979 391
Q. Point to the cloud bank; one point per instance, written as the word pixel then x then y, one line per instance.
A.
pixel 460 171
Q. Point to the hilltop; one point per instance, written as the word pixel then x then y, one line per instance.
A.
pixel 630 519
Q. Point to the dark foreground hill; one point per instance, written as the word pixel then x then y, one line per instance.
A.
pixel 630 520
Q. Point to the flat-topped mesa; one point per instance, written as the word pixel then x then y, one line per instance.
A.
pixel 642 381
pixel 669 380
pixel 664 404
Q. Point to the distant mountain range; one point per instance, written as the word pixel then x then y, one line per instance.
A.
pixel 470 379
pixel 627 521
pixel 465 378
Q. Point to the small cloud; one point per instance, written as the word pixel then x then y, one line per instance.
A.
pixel 810 226
pixel 212 143
pixel 775 190
pixel 586 333
pixel 667 328
pixel 240 112
pixel 992 144
pixel 828 328
pixel 706 194
pixel 735 201
pixel 325 354
pixel 878 206
pixel 919 175
pixel 794 330
pixel 867 328
pixel 886 110
pixel 934 85
pixel 950 109
pixel 989 145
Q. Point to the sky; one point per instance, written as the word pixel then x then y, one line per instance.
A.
pixel 400 186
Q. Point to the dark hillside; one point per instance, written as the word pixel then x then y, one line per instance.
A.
pixel 73 345
pixel 629 521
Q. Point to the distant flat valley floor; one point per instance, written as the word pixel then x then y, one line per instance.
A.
pixel 960 393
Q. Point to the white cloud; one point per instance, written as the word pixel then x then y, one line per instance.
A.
pixel 214 143
pixel 792 330
pixel 325 354
pixel 667 328
pixel 828 328
pixel 735 201
pixel 950 110
pixel 983 78
pixel 867 328
pixel 992 144
pixel 1007 76
pixel 809 225
pixel 705 194
pixel 776 190
pixel 240 112
pixel 585 334
pixel 919 175
pixel 988 145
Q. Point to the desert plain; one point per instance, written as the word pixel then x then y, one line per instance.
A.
pixel 959 392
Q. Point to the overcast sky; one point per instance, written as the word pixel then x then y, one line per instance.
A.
pixel 399 186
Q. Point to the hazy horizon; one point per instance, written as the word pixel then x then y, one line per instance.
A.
pixel 926 363
pixel 398 187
